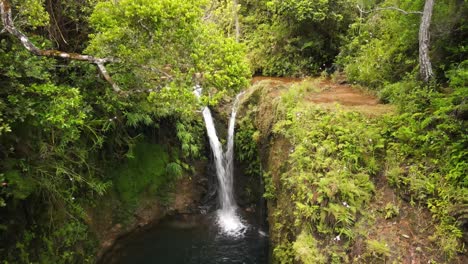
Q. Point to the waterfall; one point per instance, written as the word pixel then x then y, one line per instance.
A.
pixel 227 217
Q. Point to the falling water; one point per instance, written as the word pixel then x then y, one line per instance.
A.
pixel 228 219
pixel 227 216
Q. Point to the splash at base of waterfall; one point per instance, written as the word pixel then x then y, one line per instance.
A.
pixel 230 223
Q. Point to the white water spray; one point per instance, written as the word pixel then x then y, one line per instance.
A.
pixel 228 219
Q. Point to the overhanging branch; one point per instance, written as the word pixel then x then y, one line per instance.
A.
pixel 8 24
pixel 389 8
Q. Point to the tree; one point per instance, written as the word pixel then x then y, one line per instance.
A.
pixel 425 66
pixel 9 26
pixel 138 35
pixel 236 19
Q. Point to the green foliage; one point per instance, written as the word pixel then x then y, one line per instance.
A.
pixel 32 12
pixel 162 41
pixel 282 55
pixel 60 126
pixel 19 186
pixel 288 38
pixel 221 60
pixel 384 48
pixel 189 134
pixel 447 237
pixel 222 14
pixel 174 170
pixel 325 182
pixel 306 10
pixel 146 169
pixel 391 211
pixel 428 156
pixel 306 249
pixel 426 151
pixel 427 141
pixel 59 245
pixel 284 253
pixel 270 188
pixel 458 75
pixel 378 249
pixel 246 146
pixel 48 135
pixel 329 171
pixel 383 45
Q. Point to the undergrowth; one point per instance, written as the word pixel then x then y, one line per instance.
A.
pixel 333 158
pixel 427 154
pixel 326 182
pixel 145 172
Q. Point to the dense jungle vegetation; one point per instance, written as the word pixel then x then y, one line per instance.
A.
pixel 97 111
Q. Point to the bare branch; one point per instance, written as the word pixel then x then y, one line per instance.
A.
pixel 6 15
pixel 389 8
pixel 166 76
pixel 108 78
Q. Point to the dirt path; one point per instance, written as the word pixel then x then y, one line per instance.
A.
pixel 331 93
pixel 341 93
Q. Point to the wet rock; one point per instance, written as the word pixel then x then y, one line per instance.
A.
pixel 250 209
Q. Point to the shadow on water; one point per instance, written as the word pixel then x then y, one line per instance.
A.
pixel 191 239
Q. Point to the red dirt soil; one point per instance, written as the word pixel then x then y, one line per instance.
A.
pixel 330 94
pixel 344 94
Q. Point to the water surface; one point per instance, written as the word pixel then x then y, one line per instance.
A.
pixel 191 239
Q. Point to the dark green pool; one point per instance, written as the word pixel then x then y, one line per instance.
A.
pixel 191 239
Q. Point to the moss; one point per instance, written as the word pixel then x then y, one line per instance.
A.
pixel 306 249
pixel 143 172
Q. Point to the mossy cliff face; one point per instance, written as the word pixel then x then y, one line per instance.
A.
pixel 147 185
pixel 322 150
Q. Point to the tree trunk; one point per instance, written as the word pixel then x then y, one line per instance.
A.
pixel 425 66
pixel 236 20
